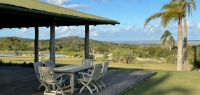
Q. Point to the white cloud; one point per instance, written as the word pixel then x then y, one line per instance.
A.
pixel 57 2
pixel 75 6
pixel 57 28
pixel 198 26
pixel 129 27
pixel 24 29
pixel 190 24
pixel 153 28
pixel 94 34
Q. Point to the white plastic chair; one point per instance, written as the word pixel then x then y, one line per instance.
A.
pixel 48 77
pixel 87 62
pixel 48 63
pixel 36 67
pixel 98 80
pixel 89 78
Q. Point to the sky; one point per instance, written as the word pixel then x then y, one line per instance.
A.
pixel 130 13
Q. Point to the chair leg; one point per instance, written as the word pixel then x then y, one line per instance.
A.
pixel 89 89
pixel 95 86
pixel 60 89
pixel 39 87
pixel 103 84
pixel 85 85
pixel 99 85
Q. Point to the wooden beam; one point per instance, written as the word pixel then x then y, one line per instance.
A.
pixel 87 41
pixel 36 44
pixel 52 42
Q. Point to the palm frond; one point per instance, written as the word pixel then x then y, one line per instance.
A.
pixel 156 15
pixel 170 5
pixel 172 14
pixel 163 41
pixel 165 35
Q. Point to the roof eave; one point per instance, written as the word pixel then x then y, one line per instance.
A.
pixel 39 12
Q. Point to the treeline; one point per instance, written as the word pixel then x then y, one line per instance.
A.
pixel 121 53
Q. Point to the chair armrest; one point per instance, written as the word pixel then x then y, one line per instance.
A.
pixel 90 70
pixel 84 73
pixel 60 75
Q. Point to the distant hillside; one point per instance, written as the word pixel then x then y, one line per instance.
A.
pixel 72 39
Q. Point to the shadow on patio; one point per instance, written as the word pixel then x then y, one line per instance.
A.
pixel 17 80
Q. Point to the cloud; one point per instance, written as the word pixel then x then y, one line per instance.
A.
pixel 75 6
pixel 153 28
pixel 94 34
pixel 198 26
pixel 129 27
pixel 24 29
pixel 57 28
pixel 190 24
pixel 57 2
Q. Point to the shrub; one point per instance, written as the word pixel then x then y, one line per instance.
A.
pixel 74 55
pixel 123 56
pixel 24 64
pixel 105 56
pixel 1 62
pixel 9 63
pixel 30 64
pixel 172 59
pixel 68 55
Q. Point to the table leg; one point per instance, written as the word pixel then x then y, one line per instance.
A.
pixel 54 87
pixel 72 83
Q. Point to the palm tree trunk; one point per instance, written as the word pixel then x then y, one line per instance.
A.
pixel 170 43
pixel 180 44
pixel 185 58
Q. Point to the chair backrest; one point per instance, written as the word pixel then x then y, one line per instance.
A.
pixel 36 66
pixel 48 63
pixel 47 75
pixel 104 69
pixel 87 62
pixel 96 71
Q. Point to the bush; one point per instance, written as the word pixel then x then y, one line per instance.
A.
pixel 30 64
pixel 123 56
pixel 74 55
pixel 172 59
pixel 1 62
pixel 23 64
pixel 105 56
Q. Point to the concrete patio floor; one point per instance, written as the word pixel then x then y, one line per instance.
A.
pixel 17 80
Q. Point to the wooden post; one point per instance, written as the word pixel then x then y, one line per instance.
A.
pixel 86 41
pixel 52 42
pixel 36 44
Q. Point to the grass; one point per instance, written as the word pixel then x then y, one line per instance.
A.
pixel 167 81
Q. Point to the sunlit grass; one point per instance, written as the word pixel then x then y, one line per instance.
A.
pixel 168 83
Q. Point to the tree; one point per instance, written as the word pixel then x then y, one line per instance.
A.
pixel 188 5
pixel 172 11
pixel 170 41
pixel 13 43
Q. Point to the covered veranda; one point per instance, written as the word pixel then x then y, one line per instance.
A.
pixel 34 13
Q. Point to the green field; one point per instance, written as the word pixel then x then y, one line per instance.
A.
pixel 167 81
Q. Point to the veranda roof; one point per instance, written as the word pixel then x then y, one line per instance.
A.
pixel 28 13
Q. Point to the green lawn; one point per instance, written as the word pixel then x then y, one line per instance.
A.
pixel 167 81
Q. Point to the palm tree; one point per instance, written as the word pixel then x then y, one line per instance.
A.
pixel 188 5
pixel 172 12
pixel 170 41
